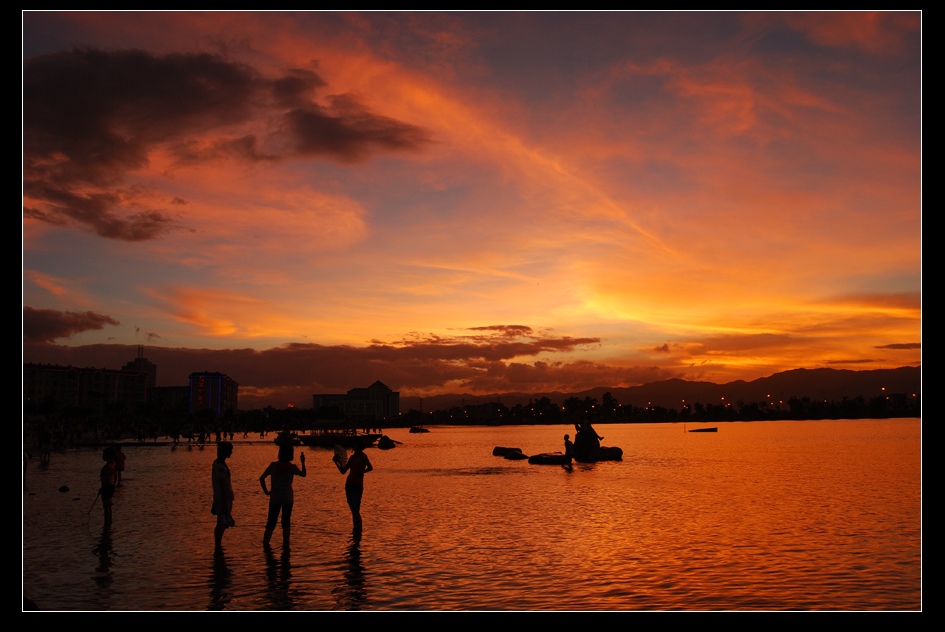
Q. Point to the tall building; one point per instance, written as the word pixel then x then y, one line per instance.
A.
pixel 216 392
pixel 141 365
pixel 375 402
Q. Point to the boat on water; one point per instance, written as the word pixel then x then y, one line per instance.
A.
pixel 416 429
pixel 330 437
pixel 704 430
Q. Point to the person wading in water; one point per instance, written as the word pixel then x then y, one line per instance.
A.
pixel 357 466
pixel 281 497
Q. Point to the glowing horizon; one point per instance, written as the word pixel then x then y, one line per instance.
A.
pixel 469 200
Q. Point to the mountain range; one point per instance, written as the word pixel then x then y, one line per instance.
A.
pixel 817 384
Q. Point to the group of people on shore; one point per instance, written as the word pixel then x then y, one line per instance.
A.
pixel 281 496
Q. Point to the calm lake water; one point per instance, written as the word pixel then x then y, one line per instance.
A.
pixel 799 515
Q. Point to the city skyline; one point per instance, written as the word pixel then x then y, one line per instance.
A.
pixel 472 202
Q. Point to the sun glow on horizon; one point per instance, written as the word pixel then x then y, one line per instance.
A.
pixel 459 197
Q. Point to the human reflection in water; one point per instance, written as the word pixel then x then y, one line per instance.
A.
pixel 104 576
pixel 351 594
pixel 221 580
pixel 279 574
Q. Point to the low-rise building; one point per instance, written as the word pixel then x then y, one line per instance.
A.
pixel 376 402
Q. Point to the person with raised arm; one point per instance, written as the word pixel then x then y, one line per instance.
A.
pixel 357 465
pixel 281 496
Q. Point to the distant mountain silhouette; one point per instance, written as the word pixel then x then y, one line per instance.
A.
pixel 816 384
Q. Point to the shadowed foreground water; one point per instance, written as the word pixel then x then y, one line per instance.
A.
pixel 812 515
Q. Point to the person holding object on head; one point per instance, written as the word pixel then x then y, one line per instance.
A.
pixel 357 466
pixel 281 497
pixel 222 493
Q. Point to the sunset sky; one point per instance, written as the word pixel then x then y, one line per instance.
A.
pixel 471 202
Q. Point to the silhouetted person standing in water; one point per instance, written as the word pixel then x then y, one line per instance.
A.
pixel 281 497
pixel 357 466
pixel 109 479
pixel 568 452
pixel 222 494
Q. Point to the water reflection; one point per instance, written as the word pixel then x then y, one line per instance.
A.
pixel 351 594
pixel 104 576
pixel 767 516
pixel 278 574
pixel 221 580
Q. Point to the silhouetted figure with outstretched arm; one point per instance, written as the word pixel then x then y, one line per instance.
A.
pixel 281 497
pixel 357 466
pixel 222 494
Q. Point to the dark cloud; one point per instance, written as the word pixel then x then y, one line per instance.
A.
pixel 746 342
pixel 245 148
pixel 46 325
pixel 348 132
pixel 499 377
pixel 269 376
pixel 296 88
pixel 851 362
pixel 92 117
pixel 904 345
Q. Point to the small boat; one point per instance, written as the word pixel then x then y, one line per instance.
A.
pixel 327 438
pixel 416 429
pixel 704 430
pixel 386 443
